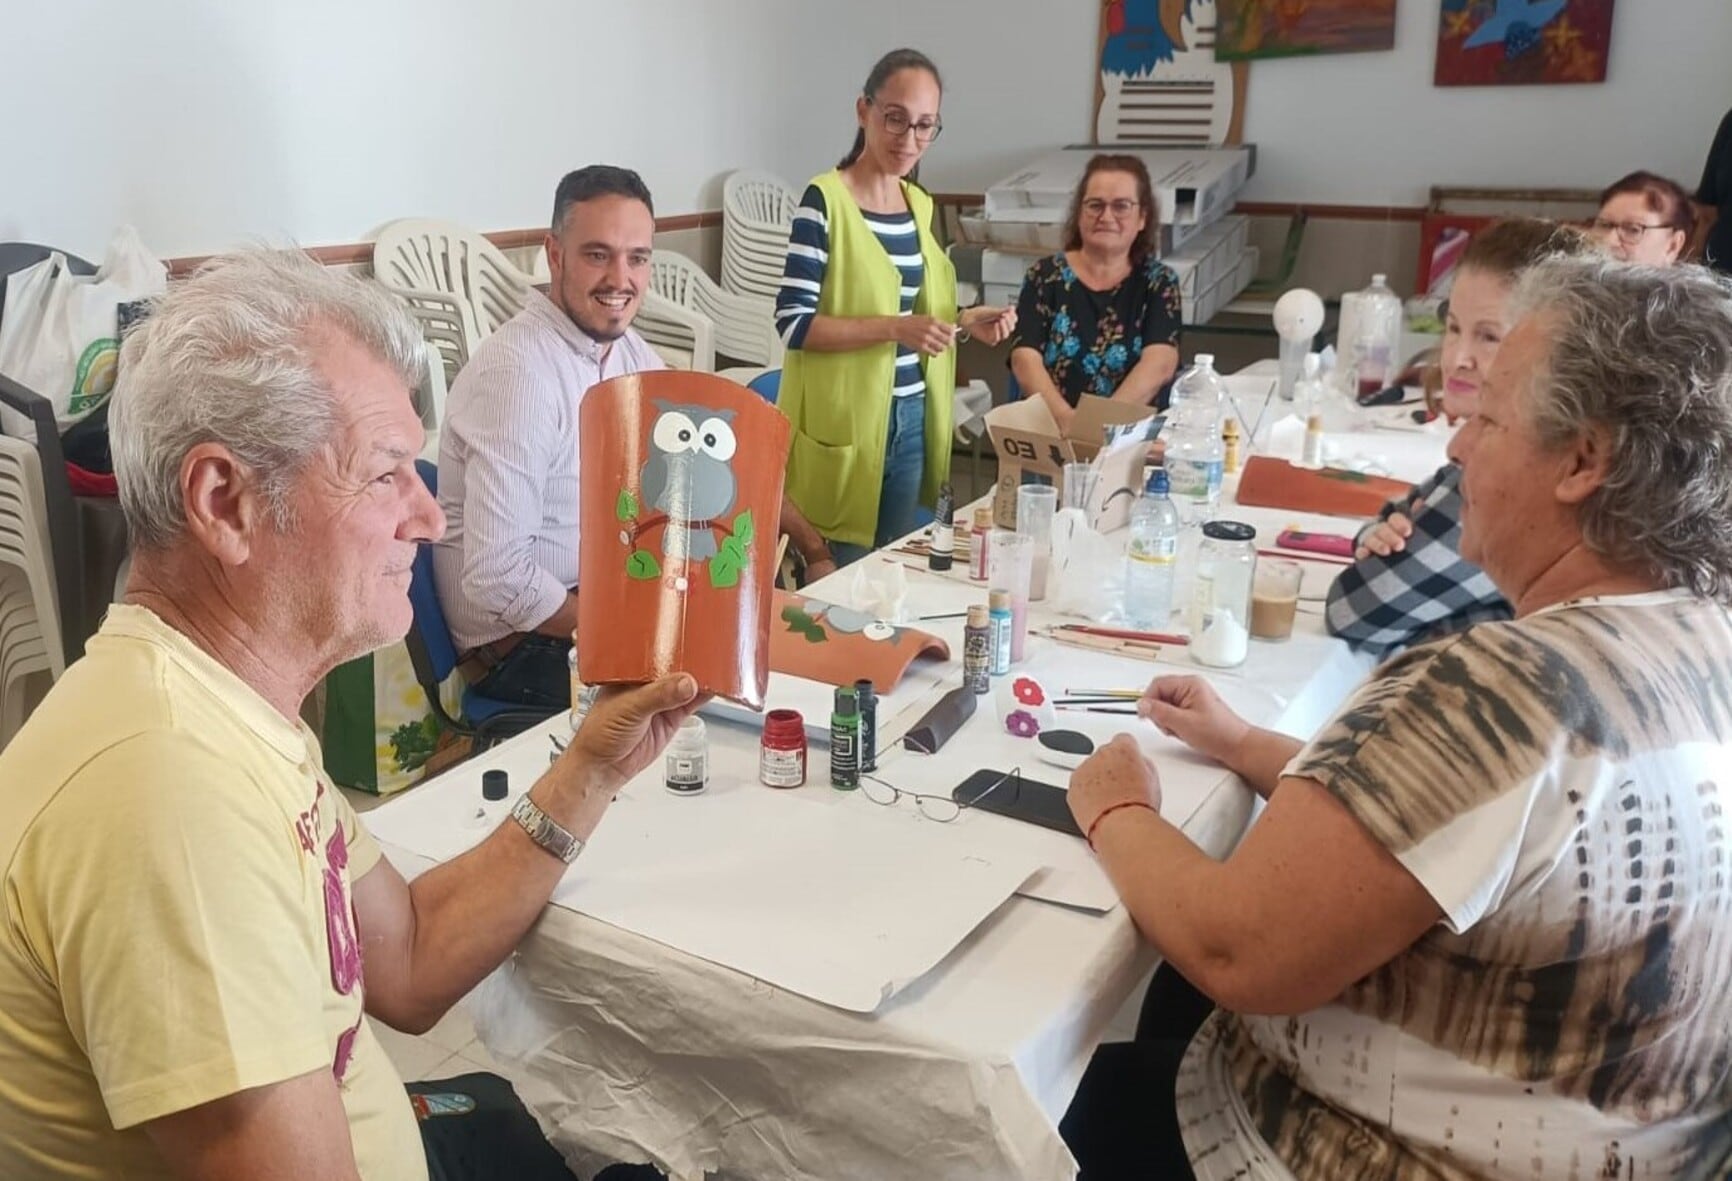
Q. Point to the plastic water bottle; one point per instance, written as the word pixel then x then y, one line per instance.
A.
pixel 1195 453
pixel 1377 337
pixel 1151 558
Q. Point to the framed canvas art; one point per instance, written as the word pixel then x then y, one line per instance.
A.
pixel 1522 42
pixel 1293 28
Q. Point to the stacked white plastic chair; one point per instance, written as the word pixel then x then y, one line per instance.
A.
pixel 744 325
pixel 30 637
pixel 757 210
pixel 423 260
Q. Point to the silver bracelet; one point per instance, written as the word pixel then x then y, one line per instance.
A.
pixel 545 831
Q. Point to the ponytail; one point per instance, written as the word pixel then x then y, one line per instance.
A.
pixel 854 152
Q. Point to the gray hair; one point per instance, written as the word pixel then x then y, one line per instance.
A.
pixel 1646 355
pixel 228 357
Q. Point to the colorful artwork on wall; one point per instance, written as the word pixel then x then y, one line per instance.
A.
pixel 1522 42
pixel 1292 28
pixel 1160 84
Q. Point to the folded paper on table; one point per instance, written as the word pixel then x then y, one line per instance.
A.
pixel 681 494
pixel 840 645
pixel 1275 483
pixel 1114 436
pixel 844 905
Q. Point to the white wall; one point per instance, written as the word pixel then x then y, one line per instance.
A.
pixel 205 122
pixel 1366 128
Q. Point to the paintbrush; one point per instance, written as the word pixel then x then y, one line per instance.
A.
pixel 1119 633
pixel 1096 709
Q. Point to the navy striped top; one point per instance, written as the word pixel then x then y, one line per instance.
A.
pixel 809 259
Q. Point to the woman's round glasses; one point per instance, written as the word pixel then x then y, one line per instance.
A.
pixel 899 124
pixel 1122 208
pixel 1629 232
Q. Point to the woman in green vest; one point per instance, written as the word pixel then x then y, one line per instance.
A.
pixel 868 311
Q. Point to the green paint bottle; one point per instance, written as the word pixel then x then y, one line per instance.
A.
pixel 845 741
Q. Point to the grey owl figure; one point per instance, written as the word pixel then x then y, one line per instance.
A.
pixel 689 476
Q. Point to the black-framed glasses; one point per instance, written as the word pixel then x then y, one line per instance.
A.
pixel 897 123
pixel 1629 232
pixel 1121 208
pixel 942 809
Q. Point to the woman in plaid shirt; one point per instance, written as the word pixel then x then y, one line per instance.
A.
pixel 1410 582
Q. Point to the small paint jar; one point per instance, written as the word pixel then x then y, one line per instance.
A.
pixel 688 759
pixel 782 755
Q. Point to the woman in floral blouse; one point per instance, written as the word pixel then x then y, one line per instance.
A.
pixel 1102 317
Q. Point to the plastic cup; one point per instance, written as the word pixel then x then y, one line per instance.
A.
pixel 1009 568
pixel 1036 506
pixel 1079 484
pixel 1275 598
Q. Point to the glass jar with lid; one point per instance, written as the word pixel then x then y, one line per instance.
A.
pixel 1220 615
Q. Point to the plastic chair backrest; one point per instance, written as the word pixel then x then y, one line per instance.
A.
pixel 431 649
pixel 24 545
pixel 767 386
pixel 62 538
pixel 420 254
pixel 745 326
pixel 440 318
pixel 760 199
pixel 674 328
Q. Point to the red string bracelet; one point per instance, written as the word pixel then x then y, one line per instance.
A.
pixel 1090 835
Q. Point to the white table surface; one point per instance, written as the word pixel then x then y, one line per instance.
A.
pixel 626 1046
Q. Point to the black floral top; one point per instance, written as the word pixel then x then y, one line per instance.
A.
pixel 1088 340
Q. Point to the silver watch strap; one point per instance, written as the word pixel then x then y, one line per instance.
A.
pixel 545 831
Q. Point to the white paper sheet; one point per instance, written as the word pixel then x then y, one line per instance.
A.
pixel 844 905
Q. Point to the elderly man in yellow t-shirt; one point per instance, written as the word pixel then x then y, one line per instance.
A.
pixel 194 922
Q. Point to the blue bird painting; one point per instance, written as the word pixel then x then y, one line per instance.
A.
pixel 1142 34
pixel 1515 23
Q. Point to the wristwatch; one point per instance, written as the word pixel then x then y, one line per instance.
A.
pixel 545 831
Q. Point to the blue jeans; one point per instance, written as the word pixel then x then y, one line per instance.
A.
pixel 904 465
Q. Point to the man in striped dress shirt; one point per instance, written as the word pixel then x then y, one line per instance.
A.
pixel 508 454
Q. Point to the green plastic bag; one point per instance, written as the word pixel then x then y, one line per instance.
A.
pixel 379 730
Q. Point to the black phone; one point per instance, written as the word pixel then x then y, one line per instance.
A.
pixel 1018 797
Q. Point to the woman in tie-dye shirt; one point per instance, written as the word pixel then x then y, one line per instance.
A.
pixel 1482 929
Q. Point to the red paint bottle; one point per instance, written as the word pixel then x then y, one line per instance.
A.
pixel 782 756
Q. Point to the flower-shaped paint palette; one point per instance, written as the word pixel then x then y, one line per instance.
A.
pixel 1024 705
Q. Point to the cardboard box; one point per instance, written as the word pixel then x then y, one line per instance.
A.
pixel 1027 439
pixel 1193 186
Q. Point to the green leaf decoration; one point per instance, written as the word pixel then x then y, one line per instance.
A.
pixel 643 565
pixel 625 508
pixel 744 529
pixel 801 624
pixel 1345 475
pixel 726 566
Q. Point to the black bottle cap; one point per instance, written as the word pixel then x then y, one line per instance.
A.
pixel 864 693
pixel 495 785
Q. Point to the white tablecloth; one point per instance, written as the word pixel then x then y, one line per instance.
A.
pixel 626 1046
